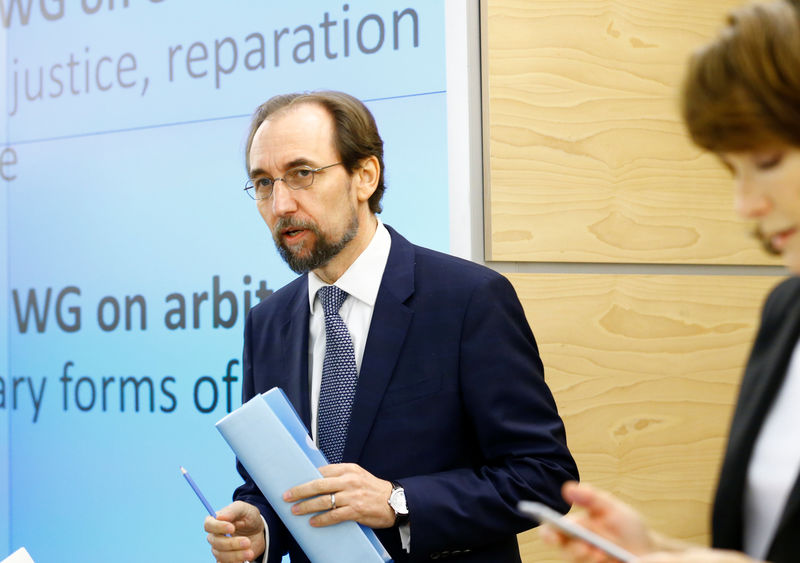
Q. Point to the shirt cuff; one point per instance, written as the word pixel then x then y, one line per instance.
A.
pixel 266 540
pixel 405 536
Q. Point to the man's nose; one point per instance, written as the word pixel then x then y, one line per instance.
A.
pixel 283 199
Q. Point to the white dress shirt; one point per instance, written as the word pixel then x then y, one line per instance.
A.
pixel 774 465
pixel 361 281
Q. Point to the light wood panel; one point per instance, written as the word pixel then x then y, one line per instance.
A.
pixel 587 158
pixel 645 370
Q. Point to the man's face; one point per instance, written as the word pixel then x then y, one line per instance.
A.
pixel 311 226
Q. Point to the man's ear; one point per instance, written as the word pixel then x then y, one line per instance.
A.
pixel 366 177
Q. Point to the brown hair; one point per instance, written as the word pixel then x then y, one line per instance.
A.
pixel 356 135
pixel 742 90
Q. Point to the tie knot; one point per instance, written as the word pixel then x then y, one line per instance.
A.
pixel 332 298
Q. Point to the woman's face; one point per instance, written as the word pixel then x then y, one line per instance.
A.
pixel 767 184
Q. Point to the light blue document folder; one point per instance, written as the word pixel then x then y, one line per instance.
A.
pixel 270 440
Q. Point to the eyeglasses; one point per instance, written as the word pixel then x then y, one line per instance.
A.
pixel 297 178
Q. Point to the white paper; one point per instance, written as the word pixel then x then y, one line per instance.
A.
pixel 19 556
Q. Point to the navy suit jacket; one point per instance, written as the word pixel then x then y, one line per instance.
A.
pixel 451 403
pixel 764 375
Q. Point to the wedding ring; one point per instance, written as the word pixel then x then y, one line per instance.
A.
pixel 333 501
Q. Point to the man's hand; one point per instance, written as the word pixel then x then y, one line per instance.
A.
pixel 359 496
pixel 606 516
pixel 236 534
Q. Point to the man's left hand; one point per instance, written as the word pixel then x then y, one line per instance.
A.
pixel 359 496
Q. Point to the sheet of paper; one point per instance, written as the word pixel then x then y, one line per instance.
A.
pixel 19 556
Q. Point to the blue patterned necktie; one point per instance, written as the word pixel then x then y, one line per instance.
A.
pixel 339 377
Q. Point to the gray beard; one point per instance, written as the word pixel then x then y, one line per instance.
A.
pixel 324 249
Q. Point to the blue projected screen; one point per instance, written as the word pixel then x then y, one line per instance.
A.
pixel 130 253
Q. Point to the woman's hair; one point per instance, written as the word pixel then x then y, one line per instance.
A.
pixel 742 90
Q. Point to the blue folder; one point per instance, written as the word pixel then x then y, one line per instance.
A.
pixel 270 440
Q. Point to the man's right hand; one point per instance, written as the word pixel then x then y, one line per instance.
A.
pixel 236 535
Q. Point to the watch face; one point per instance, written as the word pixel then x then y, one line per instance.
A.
pixel 397 500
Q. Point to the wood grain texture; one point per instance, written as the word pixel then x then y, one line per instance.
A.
pixel 587 158
pixel 645 370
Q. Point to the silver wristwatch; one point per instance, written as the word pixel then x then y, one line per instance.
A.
pixel 397 500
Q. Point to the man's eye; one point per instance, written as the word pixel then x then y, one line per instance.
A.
pixel 301 173
pixel 262 183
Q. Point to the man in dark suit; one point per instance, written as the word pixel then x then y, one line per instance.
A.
pixel 430 405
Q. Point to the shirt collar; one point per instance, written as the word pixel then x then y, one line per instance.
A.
pixel 362 279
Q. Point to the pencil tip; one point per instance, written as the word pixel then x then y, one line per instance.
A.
pixel 183 470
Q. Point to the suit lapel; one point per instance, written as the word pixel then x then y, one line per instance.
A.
pixel 294 353
pixel 391 319
pixel 764 378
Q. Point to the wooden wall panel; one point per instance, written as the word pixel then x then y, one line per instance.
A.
pixel 645 370
pixel 587 158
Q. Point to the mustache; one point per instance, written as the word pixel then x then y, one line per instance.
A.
pixel 766 244
pixel 288 222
